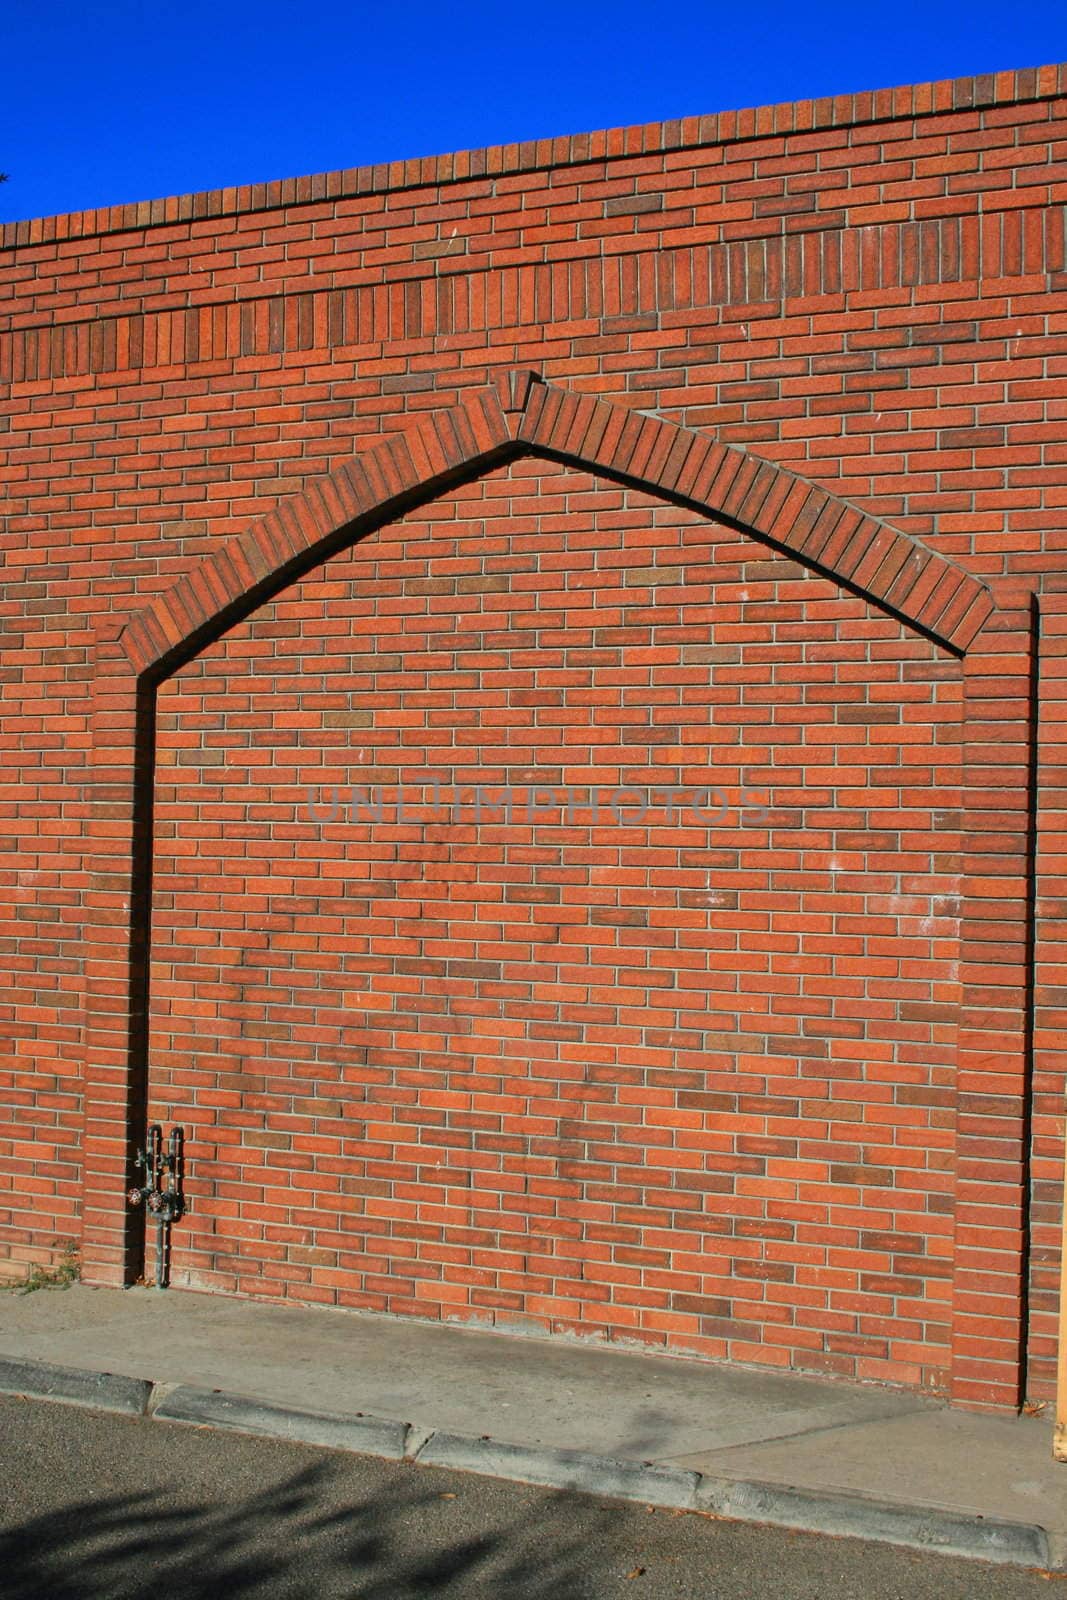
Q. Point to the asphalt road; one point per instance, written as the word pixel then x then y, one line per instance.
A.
pixel 98 1506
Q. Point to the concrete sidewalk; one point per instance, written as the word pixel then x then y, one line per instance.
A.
pixel 801 1452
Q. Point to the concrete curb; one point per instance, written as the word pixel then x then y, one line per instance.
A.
pixel 106 1391
pixel 930 1528
pixel 859 1516
pixel 369 1436
pixel 563 1469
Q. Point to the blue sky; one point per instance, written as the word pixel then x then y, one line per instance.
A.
pixel 129 99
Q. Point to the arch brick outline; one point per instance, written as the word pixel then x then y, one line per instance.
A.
pixel 517 415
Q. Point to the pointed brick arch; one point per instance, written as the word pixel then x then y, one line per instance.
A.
pixel 519 416
pixel 524 416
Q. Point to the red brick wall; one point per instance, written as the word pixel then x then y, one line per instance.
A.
pixel 869 291
pixel 686 1078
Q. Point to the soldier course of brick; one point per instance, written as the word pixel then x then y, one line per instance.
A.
pixel 531 697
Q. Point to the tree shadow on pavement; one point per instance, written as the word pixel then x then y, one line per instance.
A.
pixel 307 1536
pixel 94 1507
